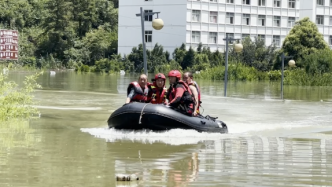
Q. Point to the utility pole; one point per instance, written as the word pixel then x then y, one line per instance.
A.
pixel 227 39
pixel 142 14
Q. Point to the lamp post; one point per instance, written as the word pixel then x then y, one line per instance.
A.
pixel 156 24
pixel 238 48
pixel 291 63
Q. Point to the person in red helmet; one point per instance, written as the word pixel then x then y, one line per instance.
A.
pixel 158 91
pixel 138 91
pixel 179 94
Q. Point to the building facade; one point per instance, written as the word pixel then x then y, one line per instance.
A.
pixel 209 21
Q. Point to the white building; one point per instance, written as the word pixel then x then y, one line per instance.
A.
pixel 209 21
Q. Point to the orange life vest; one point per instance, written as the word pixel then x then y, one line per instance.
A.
pixel 158 96
pixel 187 101
pixel 140 95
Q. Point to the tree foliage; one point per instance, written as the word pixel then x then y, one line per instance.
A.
pixel 256 54
pixel 304 39
pixel 16 102
pixel 68 30
pixel 318 63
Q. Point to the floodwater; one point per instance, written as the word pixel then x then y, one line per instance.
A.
pixel 270 142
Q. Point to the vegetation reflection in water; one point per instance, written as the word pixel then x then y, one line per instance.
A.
pixel 16 109
pixel 16 134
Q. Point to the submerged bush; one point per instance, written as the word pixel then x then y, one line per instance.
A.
pixel 299 77
pixel 236 71
pixel 17 102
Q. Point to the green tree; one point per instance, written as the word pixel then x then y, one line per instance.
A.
pixel 318 63
pixel 13 14
pixel 303 39
pixel 136 57
pixel 115 3
pixel 217 59
pixel 188 59
pixel 199 47
pixel 37 13
pixel 256 54
pixel 179 53
pixel 59 31
pixel 156 58
pixel 107 14
pixel 85 15
pixel 100 43
pixel 201 62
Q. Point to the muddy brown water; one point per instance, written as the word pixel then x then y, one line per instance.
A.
pixel 270 142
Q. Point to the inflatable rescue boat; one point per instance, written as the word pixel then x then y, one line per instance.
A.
pixel 158 117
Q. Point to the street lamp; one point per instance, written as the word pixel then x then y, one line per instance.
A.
pixel 238 48
pixel 291 63
pixel 156 24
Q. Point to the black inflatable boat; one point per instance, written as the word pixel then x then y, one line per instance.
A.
pixel 158 117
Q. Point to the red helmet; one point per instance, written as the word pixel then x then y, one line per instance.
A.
pixel 174 73
pixel 159 76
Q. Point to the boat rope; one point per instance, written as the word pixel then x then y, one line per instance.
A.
pixel 140 118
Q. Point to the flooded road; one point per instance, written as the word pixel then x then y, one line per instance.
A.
pixel 270 142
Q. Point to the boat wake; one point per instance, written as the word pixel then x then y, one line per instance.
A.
pixel 171 137
pixel 292 128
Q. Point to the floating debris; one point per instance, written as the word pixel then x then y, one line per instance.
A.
pixel 127 177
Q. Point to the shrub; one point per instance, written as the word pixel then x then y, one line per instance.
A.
pixel 16 102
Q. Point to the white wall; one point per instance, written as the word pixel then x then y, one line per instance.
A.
pixel 179 25
pixel 308 9
pixel 239 28
pixel 172 12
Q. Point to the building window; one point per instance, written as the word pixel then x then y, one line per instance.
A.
pixel 276 3
pixel 195 36
pixel 276 40
pixel 291 3
pixel 148 36
pixel 244 36
pixel 330 20
pixel 261 2
pixel 246 2
pixel 319 20
pixel 276 21
pixel 230 18
pixel 330 40
pixel 196 15
pixel 148 0
pixel 214 1
pixel 261 20
pixel 213 17
pixel 148 17
pixel 245 19
pixel 230 1
pixel 230 35
pixel 330 2
pixel 213 37
pixel 291 21
pixel 261 36
pixel 320 2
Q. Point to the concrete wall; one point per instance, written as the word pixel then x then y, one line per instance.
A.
pixel 177 15
pixel 172 12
